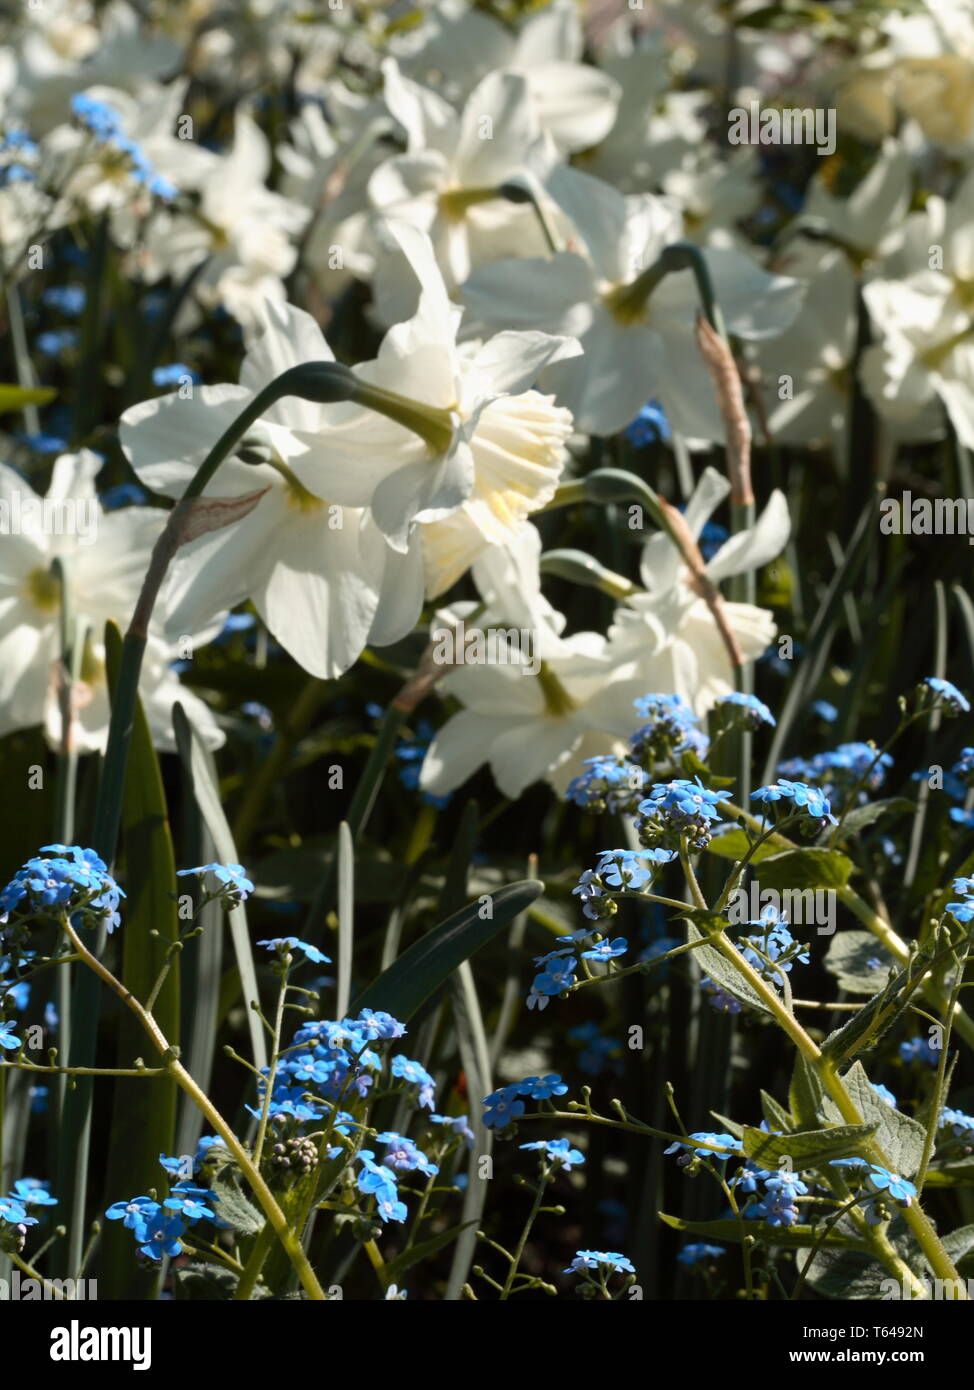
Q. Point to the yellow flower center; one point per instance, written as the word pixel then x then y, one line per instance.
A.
pixel 43 590
pixel 456 202
pixel 558 702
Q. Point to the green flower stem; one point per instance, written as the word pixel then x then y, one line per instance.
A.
pixel 22 357
pixel 73 634
pixel 181 1076
pixel 860 785
pixel 251 1270
pixel 874 923
pixel 629 301
pixel 50 1290
pixel 927 1238
pixel 376 1261
pixel 520 193
pixel 588 1116
pixel 82 1071
pixel 265 1109
pixel 937 1100
pixel 539 1192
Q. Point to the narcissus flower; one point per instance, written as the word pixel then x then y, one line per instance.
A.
pixel 493 449
pixel 637 329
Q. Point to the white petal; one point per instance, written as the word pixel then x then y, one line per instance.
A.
pixel 599 214
pixel 458 750
pixel 533 293
pixel 530 752
pixel 166 440
pixel 319 599
pixel 289 338
pixel 74 476
pixel 502 99
pixel 576 103
pixel 755 547
pixel 401 591
pixel 510 362
pixel 425 489
pixel 754 303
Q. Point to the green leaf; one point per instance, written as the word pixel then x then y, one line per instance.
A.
pixel 807 1148
pixel 208 1283
pixel 233 1207
pixel 775 1115
pixel 848 1274
pixel 858 1274
pixel 807 1093
pixel 694 767
pixel 396 1268
pixel 144 1108
pixel 734 844
pixel 720 970
pixel 861 816
pixel 16 397
pixel 199 768
pixel 957 1173
pixel 900 1137
pixel 730 1126
pixel 848 960
pixel 869 1024
pixel 959 1243
pixel 472 1046
pixel 793 1237
pixel 429 962
pixel 812 867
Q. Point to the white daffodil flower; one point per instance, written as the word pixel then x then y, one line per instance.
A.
pixel 669 630
pixel 504 444
pixel 638 340
pixel 539 701
pixel 69 48
pixel 714 195
pixel 447 182
pixel 326 168
pixel 104 557
pixel 575 103
pixel 806 375
pixel 314 569
pixel 924 321
pixel 925 353
pixel 657 127
pixel 241 230
pixel 869 223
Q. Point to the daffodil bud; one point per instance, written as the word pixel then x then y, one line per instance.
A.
pixel 580 568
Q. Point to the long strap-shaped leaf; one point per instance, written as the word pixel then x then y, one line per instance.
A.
pixel 144 1108
pixel 199 767
pixel 346 916
pixel 429 962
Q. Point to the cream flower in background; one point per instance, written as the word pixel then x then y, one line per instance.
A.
pixel 242 233
pixel 574 102
pixel 543 700
pixel 669 630
pixel 446 182
pixel 636 345
pixel 104 557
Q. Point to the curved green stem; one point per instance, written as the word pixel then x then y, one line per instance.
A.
pixel 181 1076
